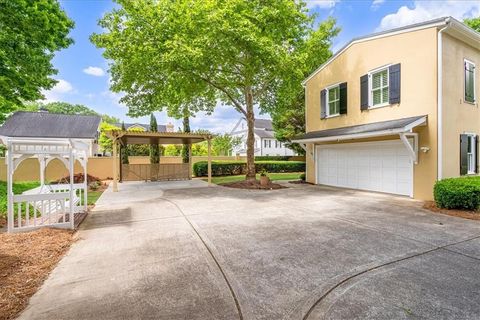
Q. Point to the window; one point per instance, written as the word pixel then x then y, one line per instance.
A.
pixel 269 143
pixel 469 81
pixel 471 152
pixel 333 101
pixel 378 88
pixel 265 143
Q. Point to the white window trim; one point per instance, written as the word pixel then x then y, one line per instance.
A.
pixel 370 96
pixel 327 105
pixel 474 152
pixel 474 81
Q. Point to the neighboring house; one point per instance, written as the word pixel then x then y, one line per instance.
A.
pixel 395 111
pixel 265 142
pixel 53 126
pixel 146 127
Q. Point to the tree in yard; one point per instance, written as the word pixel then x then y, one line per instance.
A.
pixel 222 145
pixel 287 105
pixel 236 52
pixel 30 33
pixel 473 23
pixel 105 143
pixel 154 148
pixel 124 149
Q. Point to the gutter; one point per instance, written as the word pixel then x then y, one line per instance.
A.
pixel 440 100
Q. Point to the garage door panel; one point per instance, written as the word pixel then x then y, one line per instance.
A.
pixel 384 166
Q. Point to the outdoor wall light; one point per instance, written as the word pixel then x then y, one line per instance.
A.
pixel 425 149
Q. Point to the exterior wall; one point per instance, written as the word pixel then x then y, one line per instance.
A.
pixel 458 116
pixel 275 151
pixel 100 167
pixel 416 51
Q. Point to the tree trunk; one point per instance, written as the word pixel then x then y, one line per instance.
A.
pixel 186 147
pixel 250 135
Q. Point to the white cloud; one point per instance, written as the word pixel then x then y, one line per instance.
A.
pixel 94 71
pixel 428 10
pixel 376 4
pixel 55 94
pixel 322 4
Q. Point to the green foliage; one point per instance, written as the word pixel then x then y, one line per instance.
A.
pixel 104 141
pixel 18 188
pixel 222 145
pixel 272 158
pixel 473 23
pixel 303 177
pixel 173 150
pixel 458 193
pixel 227 168
pixel 30 33
pixel 199 53
pixel 154 148
pixel 124 151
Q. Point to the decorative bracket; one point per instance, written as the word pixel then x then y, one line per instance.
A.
pixel 412 150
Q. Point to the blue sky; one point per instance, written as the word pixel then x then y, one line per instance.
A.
pixel 83 72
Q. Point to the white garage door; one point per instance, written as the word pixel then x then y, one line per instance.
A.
pixel 378 166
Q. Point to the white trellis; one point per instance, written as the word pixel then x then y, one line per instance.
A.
pixel 52 205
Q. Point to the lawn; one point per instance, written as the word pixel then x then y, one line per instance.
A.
pixel 273 176
pixel 18 188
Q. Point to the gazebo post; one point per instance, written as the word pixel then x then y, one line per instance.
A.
pixel 10 187
pixel 115 178
pixel 209 161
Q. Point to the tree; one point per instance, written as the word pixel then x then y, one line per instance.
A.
pixel 124 149
pixel 287 104
pixel 104 141
pixel 473 23
pixel 30 33
pixel 222 145
pixel 154 149
pixel 231 51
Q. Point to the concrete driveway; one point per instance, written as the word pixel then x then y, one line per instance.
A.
pixel 181 250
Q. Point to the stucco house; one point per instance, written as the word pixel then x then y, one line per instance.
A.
pixel 396 110
pixel 265 142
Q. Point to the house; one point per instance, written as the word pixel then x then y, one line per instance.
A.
pixel 145 127
pixel 53 126
pixel 395 111
pixel 265 142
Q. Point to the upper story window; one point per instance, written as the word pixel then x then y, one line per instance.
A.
pixel 333 101
pixel 379 88
pixel 469 81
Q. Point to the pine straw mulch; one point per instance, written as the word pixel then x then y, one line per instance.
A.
pixel 26 259
pixel 472 215
pixel 252 184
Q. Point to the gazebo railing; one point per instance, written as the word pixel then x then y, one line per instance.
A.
pixel 155 172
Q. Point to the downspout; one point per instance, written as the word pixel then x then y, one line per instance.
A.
pixel 440 101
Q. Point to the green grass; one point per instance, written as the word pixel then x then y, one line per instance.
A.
pixel 272 176
pixel 92 197
pixel 18 188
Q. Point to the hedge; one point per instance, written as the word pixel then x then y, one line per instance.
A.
pixel 272 158
pixel 458 193
pixel 229 168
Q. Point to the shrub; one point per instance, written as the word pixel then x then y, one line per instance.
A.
pixel 272 158
pixel 229 168
pixel 458 193
pixel 303 177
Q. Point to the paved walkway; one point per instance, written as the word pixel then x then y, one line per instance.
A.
pixel 185 251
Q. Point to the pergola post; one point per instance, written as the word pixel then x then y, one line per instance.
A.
pixel 115 176
pixel 209 161
pixel 190 164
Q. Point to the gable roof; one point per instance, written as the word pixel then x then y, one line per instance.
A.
pixel 263 124
pixel 440 22
pixel 50 125
pixel 264 133
pixel 160 127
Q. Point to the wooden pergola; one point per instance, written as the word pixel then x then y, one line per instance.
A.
pixel 124 138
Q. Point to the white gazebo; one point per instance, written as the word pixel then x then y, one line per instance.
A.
pixel 52 136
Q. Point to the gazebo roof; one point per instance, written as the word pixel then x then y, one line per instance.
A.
pixel 50 125
pixel 132 137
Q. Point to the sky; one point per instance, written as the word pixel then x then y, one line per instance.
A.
pixel 83 76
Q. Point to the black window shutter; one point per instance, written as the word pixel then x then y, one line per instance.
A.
pixel 394 84
pixel 343 98
pixel 323 104
pixel 463 154
pixel 364 92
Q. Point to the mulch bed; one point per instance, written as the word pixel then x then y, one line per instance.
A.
pixel 77 178
pixel 26 259
pixel 252 184
pixel 300 182
pixel 472 215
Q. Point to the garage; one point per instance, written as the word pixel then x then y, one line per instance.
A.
pixel 384 166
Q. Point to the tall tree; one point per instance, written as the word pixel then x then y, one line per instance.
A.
pixel 30 32
pixel 154 148
pixel 232 51
pixel 287 105
pixel 473 23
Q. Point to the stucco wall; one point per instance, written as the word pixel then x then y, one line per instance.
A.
pixel 458 116
pixel 416 51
